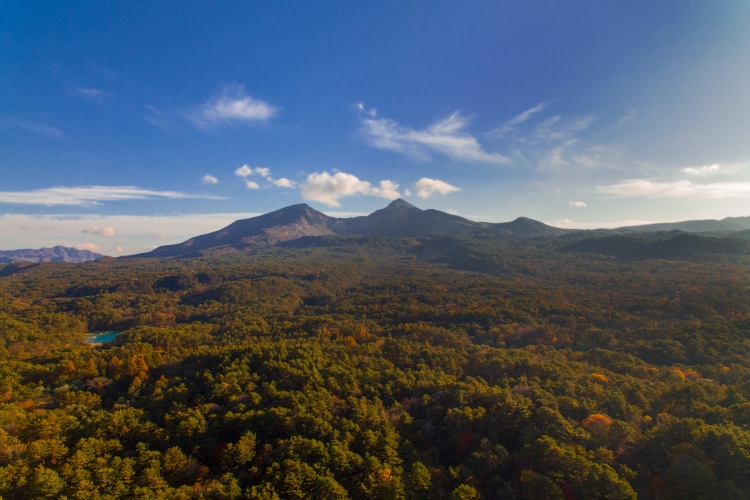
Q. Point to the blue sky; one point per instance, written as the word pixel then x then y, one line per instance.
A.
pixel 125 125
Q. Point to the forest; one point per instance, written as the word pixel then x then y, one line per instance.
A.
pixel 456 367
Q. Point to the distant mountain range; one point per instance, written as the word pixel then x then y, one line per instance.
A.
pixel 727 225
pixel 400 219
pixel 54 254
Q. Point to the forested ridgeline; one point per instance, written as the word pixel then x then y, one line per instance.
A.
pixel 361 370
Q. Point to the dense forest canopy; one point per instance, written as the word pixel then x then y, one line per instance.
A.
pixel 459 367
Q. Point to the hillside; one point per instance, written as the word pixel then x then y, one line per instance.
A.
pixel 668 246
pixel 265 230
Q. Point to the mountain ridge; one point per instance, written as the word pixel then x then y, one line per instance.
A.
pixel 727 224
pixel 400 219
pixel 57 253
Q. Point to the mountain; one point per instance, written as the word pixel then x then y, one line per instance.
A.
pixel 286 224
pixel 54 254
pixel 525 227
pixel 400 219
pixel 728 224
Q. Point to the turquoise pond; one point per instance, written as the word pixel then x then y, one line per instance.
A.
pixel 102 337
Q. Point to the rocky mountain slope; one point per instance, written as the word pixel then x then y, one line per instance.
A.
pixel 265 230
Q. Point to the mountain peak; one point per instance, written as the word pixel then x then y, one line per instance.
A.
pixel 400 204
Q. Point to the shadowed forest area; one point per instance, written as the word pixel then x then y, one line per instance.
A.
pixel 371 368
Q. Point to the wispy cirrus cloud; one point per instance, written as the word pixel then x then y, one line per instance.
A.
pixel 447 136
pixel 89 195
pixel 677 189
pixel 518 119
pixel 559 145
pixel 326 188
pixel 552 145
pixel 163 120
pixel 97 94
pixel 232 105
pixel 34 128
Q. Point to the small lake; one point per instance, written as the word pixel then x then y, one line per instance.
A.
pixel 100 338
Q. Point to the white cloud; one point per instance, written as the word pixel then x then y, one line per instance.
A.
pixel 89 195
pixel 387 189
pixel 578 204
pixel 107 232
pixel 703 171
pixel 232 105
pixel 407 192
pixel 209 179
pixel 264 172
pixel 677 189
pixel 118 249
pixel 88 246
pixel 284 182
pixel 510 124
pixel 327 188
pixel 427 187
pixel 446 136
pixel 244 171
